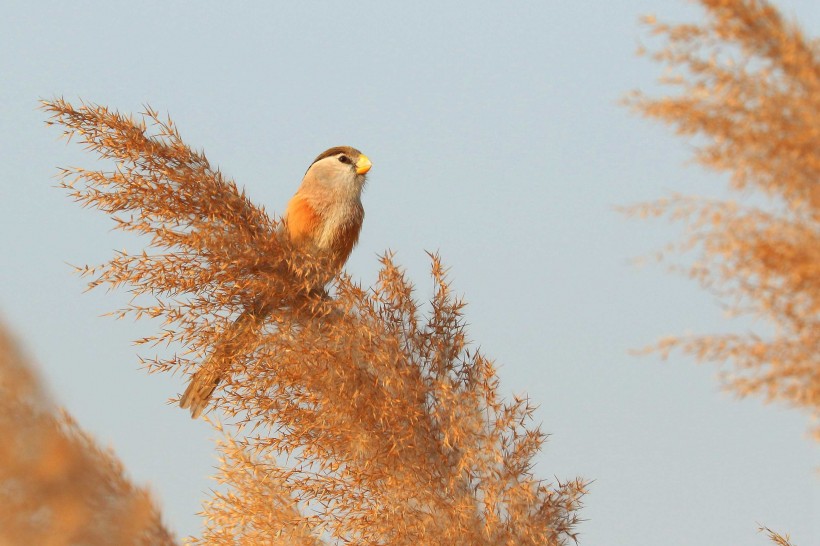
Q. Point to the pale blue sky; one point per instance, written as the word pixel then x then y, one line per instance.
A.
pixel 497 140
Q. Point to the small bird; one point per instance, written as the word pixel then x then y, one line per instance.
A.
pixel 324 218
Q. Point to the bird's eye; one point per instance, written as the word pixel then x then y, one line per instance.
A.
pixel 345 159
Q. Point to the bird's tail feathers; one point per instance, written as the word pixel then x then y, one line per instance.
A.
pixel 199 391
pixel 207 378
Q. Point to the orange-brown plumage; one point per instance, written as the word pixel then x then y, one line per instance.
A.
pixel 325 218
pixel 346 238
pixel 326 213
pixel 301 220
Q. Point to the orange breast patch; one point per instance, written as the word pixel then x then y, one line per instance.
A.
pixel 301 220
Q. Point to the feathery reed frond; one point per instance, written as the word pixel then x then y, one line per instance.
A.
pixel 749 85
pixel 777 538
pixel 355 418
pixel 57 487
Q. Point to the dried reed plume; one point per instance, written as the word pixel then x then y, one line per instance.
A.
pixel 57 487
pixel 749 85
pixel 777 538
pixel 358 418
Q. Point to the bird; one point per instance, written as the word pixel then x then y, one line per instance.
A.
pixel 324 219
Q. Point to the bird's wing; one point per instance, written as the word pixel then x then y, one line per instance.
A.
pixel 346 238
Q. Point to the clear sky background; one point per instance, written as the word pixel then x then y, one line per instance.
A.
pixel 497 140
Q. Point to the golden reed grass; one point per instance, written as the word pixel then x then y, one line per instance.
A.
pixel 363 417
pixel 57 487
pixel 749 94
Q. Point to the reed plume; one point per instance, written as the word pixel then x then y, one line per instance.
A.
pixel 776 538
pixel 749 92
pixel 57 486
pixel 354 416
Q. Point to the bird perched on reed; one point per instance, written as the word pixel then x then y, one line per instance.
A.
pixel 323 218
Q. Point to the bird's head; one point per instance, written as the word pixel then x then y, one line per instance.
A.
pixel 341 169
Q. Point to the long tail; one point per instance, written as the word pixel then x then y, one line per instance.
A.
pixel 205 380
pixel 203 383
pixel 200 388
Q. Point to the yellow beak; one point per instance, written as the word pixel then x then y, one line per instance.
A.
pixel 363 164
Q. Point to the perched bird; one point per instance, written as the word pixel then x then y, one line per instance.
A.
pixel 324 218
